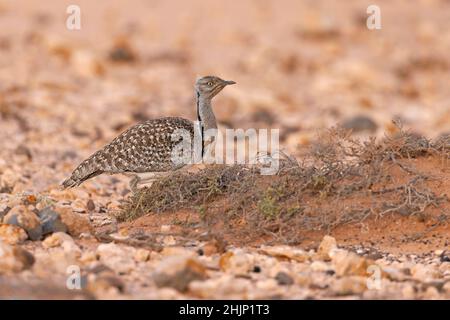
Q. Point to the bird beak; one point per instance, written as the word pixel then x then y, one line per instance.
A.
pixel 228 82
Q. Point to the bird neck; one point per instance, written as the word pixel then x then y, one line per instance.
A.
pixel 205 113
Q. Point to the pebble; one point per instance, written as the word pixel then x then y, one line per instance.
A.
pixel 86 64
pixel 14 259
pixel 408 292
pixel 178 272
pixel 165 228
pixel 142 255
pixel 320 266
pixel 286 253
pixel 117 258
pixel 56 240
pixel 78 205
pixel 424 273
pixel 21 216
pixel 225 286
pixel 12 234
pixel 360 123
pixel 326 246
pixel 75 223
pixel 90 205
pixel 347 263
pixel 51 221
pixel 237 262
pixel 104 283
pixel 284 279
pixel 353 285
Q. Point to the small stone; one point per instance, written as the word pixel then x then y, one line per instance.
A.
pixel 88 257
pixel 326 246
pixel 117 258
pixel 285 253
pixel 26 219
pixel 178 272
pixel 348 263
pixel 78 205
pixel 122 51
pixel 12 234
pixel 445 256
pixel 14 259
pixel 8 179
pixel 424 273
pixel 284 279
pixel 353 285
pixel 213 246
pixel 223 286
pixel 165 228
pixel 118 236
pixel 51 221
pixel 394 274
pixel 76 224
pixel 169 241
pixel 431 293
pixel 360 123
pixel 446 287
pixel 236 262
pixel 86 64
pixel 209 249
pixel 256 269
pixel 4 209
pixel 56 240
pixel 142 255
pixel 102 280
pixel 320 266
pixel 90 205
pixel 268 287
pixel 408 292
pixel 177 251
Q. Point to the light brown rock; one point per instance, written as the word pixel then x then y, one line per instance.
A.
pixel 12 234
pixel 142 255
pixel 56 239
pixel 350 285
pixel 26 219
pixel 76 224
pixel 347 263
pixel 285 253
pixel 236 262
pixel 117 258
pixel 424 272
pixel 14 259
pixel 178 272
pixel 326 246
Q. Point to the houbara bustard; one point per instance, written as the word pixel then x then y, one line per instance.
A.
pixel 146 149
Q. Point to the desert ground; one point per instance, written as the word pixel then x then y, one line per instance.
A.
pixel 358 209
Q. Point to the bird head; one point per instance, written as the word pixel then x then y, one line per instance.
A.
pixel 209 86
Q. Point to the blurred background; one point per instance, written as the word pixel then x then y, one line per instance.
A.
pixel 301 66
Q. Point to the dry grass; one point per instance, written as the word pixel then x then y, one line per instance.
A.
pixel 341 180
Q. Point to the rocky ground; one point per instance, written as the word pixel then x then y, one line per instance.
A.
pixel 302 67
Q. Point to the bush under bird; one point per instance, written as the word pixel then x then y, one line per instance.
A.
pixel 146 150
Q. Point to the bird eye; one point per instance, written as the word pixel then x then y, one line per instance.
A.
pixel 210 83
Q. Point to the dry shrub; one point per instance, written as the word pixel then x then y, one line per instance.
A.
pixel 341 180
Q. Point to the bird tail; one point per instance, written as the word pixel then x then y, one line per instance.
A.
pixel 69 183
pixel 83 172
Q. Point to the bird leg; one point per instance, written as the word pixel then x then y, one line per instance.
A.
pixel 145 180
pixel 134 184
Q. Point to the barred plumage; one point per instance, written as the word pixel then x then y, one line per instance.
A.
pixel 145 147
pixel 148 147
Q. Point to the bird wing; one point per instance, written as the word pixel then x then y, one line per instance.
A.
pixel 146 147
